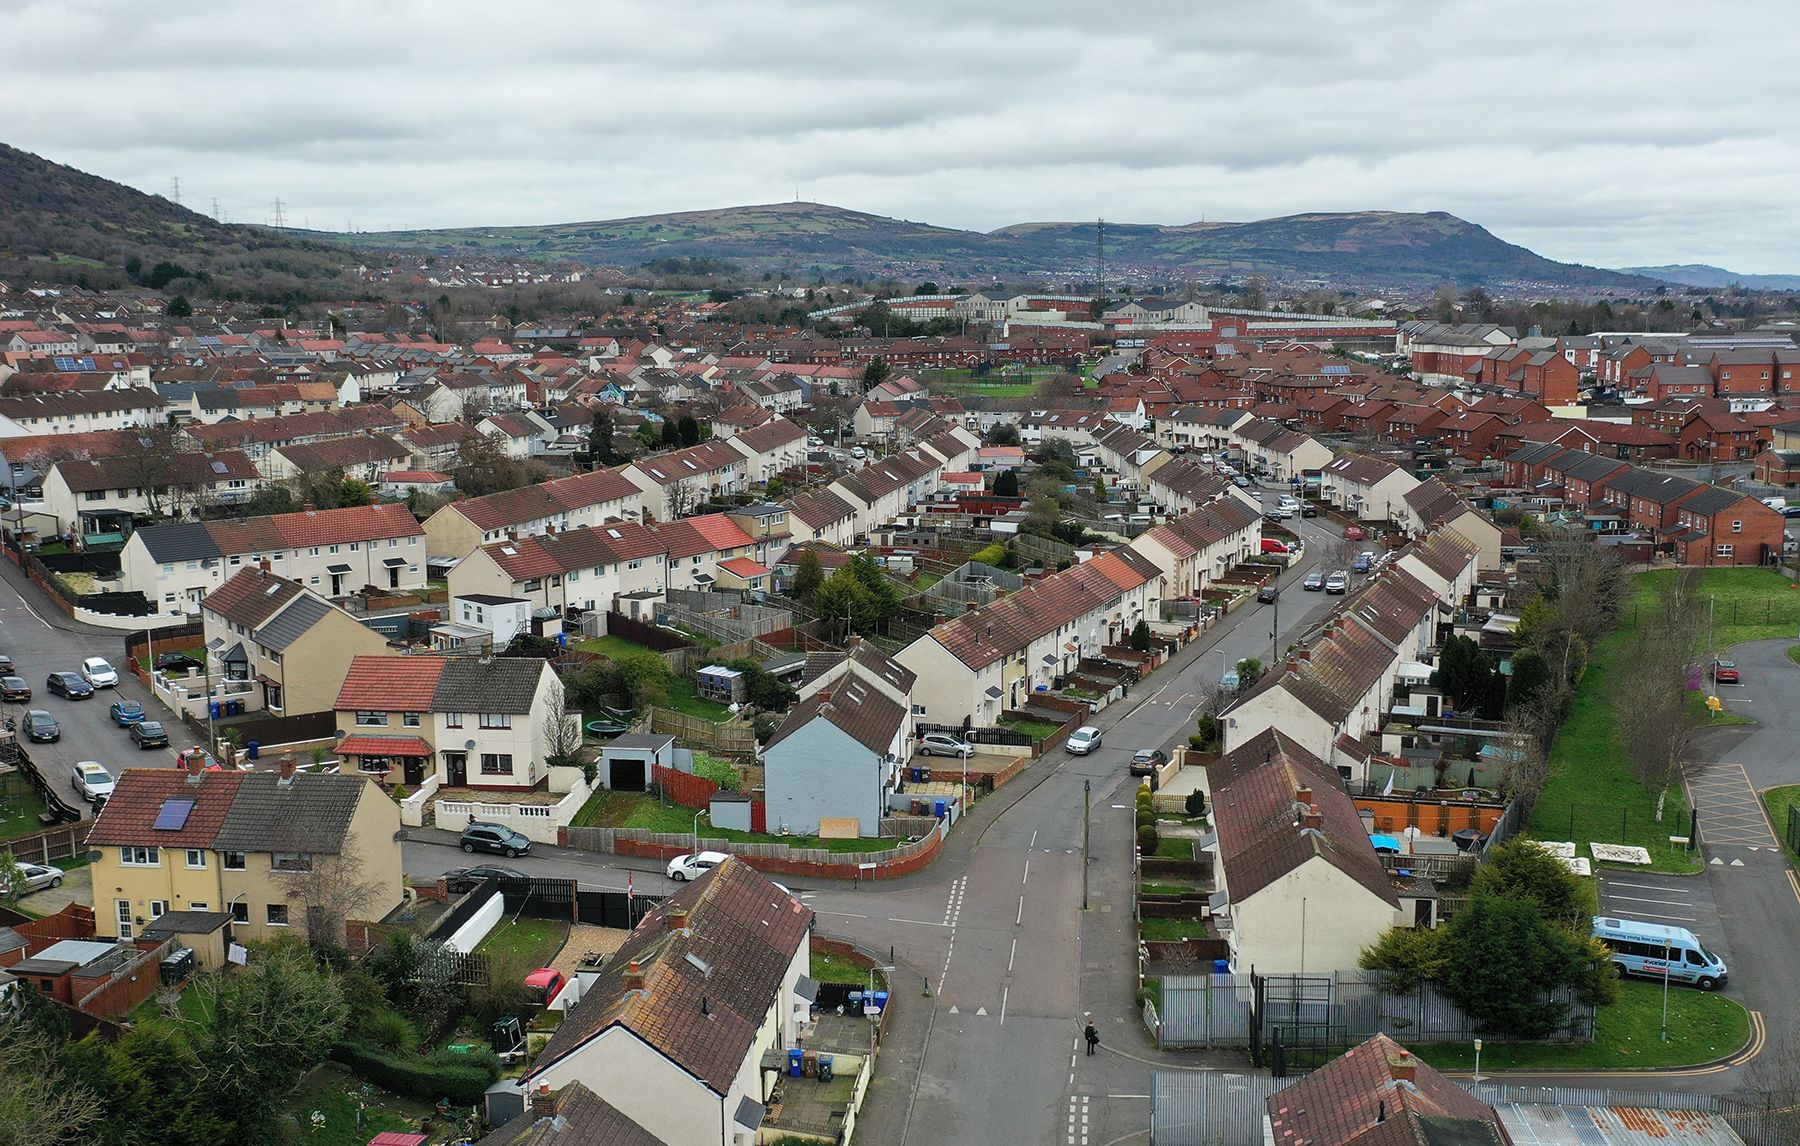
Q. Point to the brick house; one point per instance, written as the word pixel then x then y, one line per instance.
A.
pixel 1778 467
pixel 1714 435
pixel 1723 527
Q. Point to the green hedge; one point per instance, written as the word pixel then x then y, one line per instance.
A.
pixel 461 1078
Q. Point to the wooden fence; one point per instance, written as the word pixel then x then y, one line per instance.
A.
pixel 734 738
pixel 685 788
pixel 59 843
pixel 650 636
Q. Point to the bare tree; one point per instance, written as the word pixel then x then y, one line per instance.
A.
pixel 682 498
pixel 332 892
pixel 1650 694
pixel 1769 1098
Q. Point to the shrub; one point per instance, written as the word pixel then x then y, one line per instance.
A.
pixel 390 1031
pixel 992 555
pixel 1409 957
pixel 721 772
pixel 1147 839
pixel 1196 803
pixel 1197 743
pixel 461 1078
pixel 1208 726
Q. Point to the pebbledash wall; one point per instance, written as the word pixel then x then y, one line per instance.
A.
pixel 775 859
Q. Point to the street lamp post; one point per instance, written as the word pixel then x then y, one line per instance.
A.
pixel 697 815
pixel 1477 1062
pixel 1665 1007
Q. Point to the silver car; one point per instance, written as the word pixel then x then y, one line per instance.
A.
pixel 1083 740
pixel 38 876
pixel 943 744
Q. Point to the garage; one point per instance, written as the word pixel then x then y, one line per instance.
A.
pixel 629 763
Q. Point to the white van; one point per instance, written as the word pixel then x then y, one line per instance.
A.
pixel 1657 951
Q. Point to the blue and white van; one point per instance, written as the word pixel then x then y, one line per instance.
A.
pixel 1656 951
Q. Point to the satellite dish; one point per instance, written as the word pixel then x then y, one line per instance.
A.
pixel 468 746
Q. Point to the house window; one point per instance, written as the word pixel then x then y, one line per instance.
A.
pixel 367 719
pixel 332 549
pixel 240 912
pixel 278 916
pixel 158 908
pixel 197 905
pixel 374 764
pixel 410 720
pixel 94 495
pixel 234 861
pixel 453 719
pixel 1725 551
pixel 496 720
pixel 1737 527
pixel 355 545
pixel 196 857
pixel 139 857
pixel 393 543
pixel 633 564
pixel 496 764
pixel 290 861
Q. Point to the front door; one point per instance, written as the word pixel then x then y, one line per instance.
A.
pixel 337 584
pixel 456 769
pixel 393 576
pixel 413 768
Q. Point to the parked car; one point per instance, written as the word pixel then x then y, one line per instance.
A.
pixel 1791 511
pixel 1725 672
pixel 70 685
pixel 91 781
pixel 99 673
pixel 1314 581
pixel 1365 561
pixel 148 734
pixel 7 667
pixel 1083 740
pixel 859 453
pixel 1145 761
pixel 545 983
pixel 481 836
pixel 1268 592
pixel 1308 509
pixel 175 662
pixel 462 879
pixel 944 744
pixel 38 876
pixel 14 690
pixel 41 727
pixel 693 865
pixel 1338 583
pixel 1274 516
pixel 1354 533
pixel 125 713
pixel 1275 545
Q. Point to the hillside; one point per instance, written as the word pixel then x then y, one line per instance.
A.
pixel 58 224
pixel 1714 278
pixel 1372 249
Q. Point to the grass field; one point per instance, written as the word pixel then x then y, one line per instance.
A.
pixel 1746 604
pixel 20 806
pixel 608 809
pixel 1779 801
pixel 525 942
pixel 1627 1036
pixel 1591 794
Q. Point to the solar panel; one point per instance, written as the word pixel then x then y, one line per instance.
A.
pixel 174 815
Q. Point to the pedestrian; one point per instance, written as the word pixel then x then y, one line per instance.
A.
pixel 1093 1039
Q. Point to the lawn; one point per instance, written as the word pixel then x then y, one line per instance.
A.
pixel 1591 794
pixel 610 646
pixel 608 809
pixel 1747 604
pixel 686 699
pixel 353 1112
pixel 1149 888
pixel 20 806
pixel 1627 1036
pixel 1036 729
pixel 1703 717
pixel 1793 653
pixel 1175 847
pixel 1780 802
pixel 1170 930
pixel 525 942
pixel 829 968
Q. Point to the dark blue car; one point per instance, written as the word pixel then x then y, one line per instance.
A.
pixel 69 684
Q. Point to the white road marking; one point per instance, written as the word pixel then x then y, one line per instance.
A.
pixel 1644 899
pixel 845 914
pixel 920 922
pixel 1011 954
pixel 33 612
pixel 1033 842
pixel 1020 918
pixel 1027 878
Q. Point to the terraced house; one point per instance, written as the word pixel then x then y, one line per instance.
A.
pixel 675 483
pixel 558 505
pixel 582 568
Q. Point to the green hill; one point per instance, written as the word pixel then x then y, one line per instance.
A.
pixel 58 224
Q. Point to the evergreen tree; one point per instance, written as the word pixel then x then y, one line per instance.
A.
pixel 808 575
pixel 689 430
pixel 1007 484
pixel 671 436
pixel 1140 636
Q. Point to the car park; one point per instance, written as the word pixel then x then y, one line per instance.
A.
pixel 14 690
pixel 97 671
pixel 943 744
pixel 693 865
pixel 1083 740
pixel 38 876
pixel 41 727
pixel 459 880
pixel 69 685
pixel 1338 582
pixel 91 781
pixel 1725 672
pixel 481 836
pixel 148 734
pixel 125 713
pixel 1314 581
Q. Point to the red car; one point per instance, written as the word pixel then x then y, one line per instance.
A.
pixel 1354 533
pixel 1725 672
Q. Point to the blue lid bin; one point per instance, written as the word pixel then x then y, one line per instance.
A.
pixel 796 1062
pixel 213 707
pixel 1221 966
pixel 881 1000
pixel 855 997
pixel 941 808
pixel 917 773
pixel 826 1073
pixel 254 748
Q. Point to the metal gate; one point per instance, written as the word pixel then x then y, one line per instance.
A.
pixel 1205 1011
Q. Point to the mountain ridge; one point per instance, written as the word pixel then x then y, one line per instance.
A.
pixel 1707 276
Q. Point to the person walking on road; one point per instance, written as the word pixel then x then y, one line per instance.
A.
pixel 1093 1039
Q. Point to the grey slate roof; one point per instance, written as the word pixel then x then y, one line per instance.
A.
pixel 582 1118
pixel 501 684
pixel 181 541
pixel 312 814
pixel 1711 500
pixel 292 623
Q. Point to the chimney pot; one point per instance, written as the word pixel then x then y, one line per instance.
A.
pixel 196 763
pixel 287 767
pixel 634 976
pixel 675 919
pixel 1402 1067
pixel 544 1102
pixel 1312 819
pixel 1303 795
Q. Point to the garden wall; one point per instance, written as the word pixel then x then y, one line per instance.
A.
pixel 771 858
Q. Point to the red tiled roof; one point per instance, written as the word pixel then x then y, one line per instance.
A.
pixel 711 533
pixel 745 567
pixel 390 684
pixel 360 745
pixel 356 523
pixel 546 499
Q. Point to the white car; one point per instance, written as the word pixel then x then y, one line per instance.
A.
pixel 97 672
pixel 943 744
pixel 1083 740
pixel 91 781
pixel 694 865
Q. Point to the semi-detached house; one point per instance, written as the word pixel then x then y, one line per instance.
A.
pixel 977 666
pixel 331 551
pixel 558 505
pixel 838 752
pixel 583 568
pixel 1369 488
pixel 821 515
pixel 280 646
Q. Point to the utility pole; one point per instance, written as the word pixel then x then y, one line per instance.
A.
pixel 1087 807
pixel 176 182
pixel 278 216
pixel 215 210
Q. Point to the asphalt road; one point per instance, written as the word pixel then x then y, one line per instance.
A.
pixel 42 640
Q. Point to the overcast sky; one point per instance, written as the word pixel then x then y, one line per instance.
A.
pixel 1610 134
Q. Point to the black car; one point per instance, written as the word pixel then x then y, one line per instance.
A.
pixel 1268 592
pixel 70 685
pixel 459 880
pixel 484 837
pixel 6 665
pixel 176 662
pixel 14 690
pixel 41 727
pixel 148 734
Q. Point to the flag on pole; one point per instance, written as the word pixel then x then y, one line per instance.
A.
pixel 1389 790
pixel 630 887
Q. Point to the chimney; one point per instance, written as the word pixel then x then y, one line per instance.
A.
pixel 1401 1067
pixel 1303 795
pixel 264 563
pixel 287 770
pixel 196 764
pixel 675 918
pixel 634 976
pixel 1312 819
pixel 544 1101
